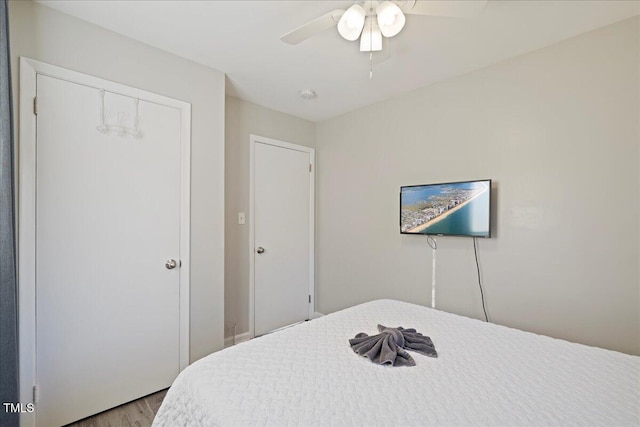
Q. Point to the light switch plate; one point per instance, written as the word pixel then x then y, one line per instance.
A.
pixel 240 217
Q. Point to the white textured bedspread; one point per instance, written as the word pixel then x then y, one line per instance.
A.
pixel 485 374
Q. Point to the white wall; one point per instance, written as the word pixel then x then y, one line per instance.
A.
pixel 558 132
pixel 46 35
pixel 242 119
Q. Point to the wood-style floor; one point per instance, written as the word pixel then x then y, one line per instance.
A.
pixel 139 413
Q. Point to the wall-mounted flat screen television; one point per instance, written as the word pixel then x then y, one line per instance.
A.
pixel 447 209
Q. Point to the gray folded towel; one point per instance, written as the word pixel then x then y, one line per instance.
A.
pixel 388 346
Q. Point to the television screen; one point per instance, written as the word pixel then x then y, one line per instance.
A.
pixel 449 209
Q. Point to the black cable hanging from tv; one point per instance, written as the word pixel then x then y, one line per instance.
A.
pixel 475 251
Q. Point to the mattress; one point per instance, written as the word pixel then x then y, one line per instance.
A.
pixel 485 374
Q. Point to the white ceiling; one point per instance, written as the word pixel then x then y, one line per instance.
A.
pixel 242 39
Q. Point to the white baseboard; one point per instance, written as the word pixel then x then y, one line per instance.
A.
pixel 228 342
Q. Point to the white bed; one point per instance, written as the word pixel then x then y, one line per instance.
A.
pixel 485 374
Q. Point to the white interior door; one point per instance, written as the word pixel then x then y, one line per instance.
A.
pixel 283 229
pixel 107 221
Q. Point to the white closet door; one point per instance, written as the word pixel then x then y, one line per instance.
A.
pixel 108 219
pixel 282 234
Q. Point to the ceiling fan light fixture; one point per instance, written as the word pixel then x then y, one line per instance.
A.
pixel 391 20
pixel 371 39
pixel 351 22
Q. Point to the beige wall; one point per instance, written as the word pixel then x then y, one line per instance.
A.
pixel 558 132
pixel 46 35
pixel 242 119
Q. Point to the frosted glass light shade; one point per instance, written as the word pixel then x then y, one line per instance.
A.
pixel 351 22
pixel 390 18
pixel 371 38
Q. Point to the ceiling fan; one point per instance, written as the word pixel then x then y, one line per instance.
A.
pixel 371 20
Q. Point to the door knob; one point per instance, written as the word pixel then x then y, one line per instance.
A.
pixel 260 250
pixel 171 264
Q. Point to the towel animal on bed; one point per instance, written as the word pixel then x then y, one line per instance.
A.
pixel 388 347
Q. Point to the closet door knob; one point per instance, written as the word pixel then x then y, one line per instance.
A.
pixel 260 250
pixel 171 264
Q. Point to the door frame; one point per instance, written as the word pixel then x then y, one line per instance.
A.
pixel 27 193
pixel 253 140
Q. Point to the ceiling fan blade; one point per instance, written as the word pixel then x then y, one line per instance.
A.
pixel 449 8
pixel 312 28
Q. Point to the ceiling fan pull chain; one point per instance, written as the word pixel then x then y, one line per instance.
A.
pixel 371 49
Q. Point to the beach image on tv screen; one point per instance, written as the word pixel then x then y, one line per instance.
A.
pixel 456 209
